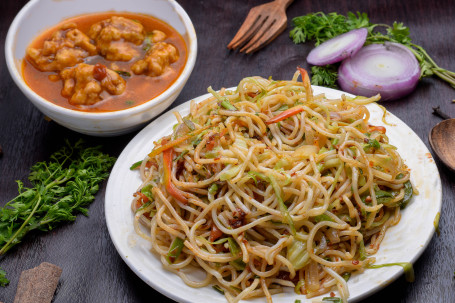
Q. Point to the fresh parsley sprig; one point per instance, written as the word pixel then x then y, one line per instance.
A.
pixel 320 27
pixel 61 187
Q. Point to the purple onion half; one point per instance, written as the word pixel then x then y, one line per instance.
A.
pixel 389 69
pixel 338 48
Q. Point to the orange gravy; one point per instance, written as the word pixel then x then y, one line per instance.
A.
pixel 139 88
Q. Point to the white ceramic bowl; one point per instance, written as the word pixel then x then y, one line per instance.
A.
pixel 39 15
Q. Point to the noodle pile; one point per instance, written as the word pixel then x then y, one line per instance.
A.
pixel 269 187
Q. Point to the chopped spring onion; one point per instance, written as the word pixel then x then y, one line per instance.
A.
pixel 254 175
pixel 283 208
pixel 147 191
pixel 233 247
pixel 227 105
pixel 389 69
pixel 238 264
pixel 346 276
pixel 407 267
pixel 338 48
pixel 145 205
pixel 298 287
pixel 218 289
pixel 408 191
pixel 219 241
pixel 372 143
pixel 182 154
pixel 224 101
pixel 175 250
pixel 362 252
pixel 213 189
pixel 332 299
pixel 136 165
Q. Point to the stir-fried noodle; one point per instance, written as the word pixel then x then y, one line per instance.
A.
pixel 268 187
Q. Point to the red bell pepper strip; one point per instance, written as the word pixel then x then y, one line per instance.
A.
pixel 296 109
pixel 170 187
pixel 380 129
pixel 286 114
pixel 305 77
pixel 306 83
pixel 215 233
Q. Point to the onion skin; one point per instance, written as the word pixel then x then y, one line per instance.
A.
pixel 333 50
pixel 364 73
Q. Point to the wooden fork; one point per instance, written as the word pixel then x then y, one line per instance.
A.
pixel 263 24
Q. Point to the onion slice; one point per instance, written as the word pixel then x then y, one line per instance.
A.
pixel 338 48
pixel 389 69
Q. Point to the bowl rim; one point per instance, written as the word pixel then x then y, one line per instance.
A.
pixel 48 105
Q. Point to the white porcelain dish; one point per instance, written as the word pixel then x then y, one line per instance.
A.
pixel 404 242
pixel 39 15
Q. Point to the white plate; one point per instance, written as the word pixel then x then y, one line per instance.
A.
pixel 402 243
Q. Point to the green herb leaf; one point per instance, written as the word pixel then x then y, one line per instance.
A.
pixel 372 145
pixel 123 73
pixel 3 280
pixel 324 75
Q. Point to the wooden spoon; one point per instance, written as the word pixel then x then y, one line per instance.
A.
pixel 442 141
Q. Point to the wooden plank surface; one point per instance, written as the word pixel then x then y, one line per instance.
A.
pixel 92 269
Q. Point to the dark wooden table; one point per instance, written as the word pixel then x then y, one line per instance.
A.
pixel 92 269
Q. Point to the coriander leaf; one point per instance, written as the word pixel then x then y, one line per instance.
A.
pixel 399 33
pixel 61 187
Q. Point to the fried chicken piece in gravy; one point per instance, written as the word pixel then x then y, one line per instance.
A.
pixel 67 47
pixel 156 60
pixel 115 38
pixel 87 84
